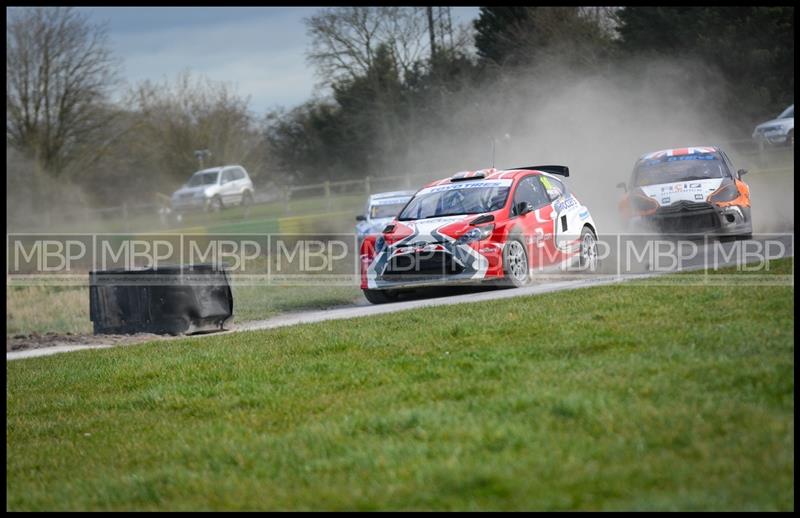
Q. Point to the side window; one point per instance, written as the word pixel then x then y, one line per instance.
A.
pixel 240 174
pixel 529 189
pixel 552 187
pixel 227 176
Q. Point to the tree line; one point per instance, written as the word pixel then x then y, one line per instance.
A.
pixel 400 84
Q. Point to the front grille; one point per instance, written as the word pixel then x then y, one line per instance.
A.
pixel 681 224
pixel 684 206
pixel 686 217
pixel 424 264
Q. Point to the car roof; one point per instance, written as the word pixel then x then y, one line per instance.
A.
pixel 680 151
pixel 491 174
pixel 217 169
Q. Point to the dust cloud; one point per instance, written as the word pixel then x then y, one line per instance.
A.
pixel 597 120
pixel 598 124
pixel 39 201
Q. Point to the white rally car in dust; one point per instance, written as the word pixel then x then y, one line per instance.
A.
pixel 691 190
pixel 380 211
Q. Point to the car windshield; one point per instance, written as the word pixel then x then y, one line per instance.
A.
pixel 471 197
pixel 678 168
pixel 386 210
pixel 788 113
pixel 198 179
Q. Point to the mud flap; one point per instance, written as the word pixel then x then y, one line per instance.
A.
pixel 165 300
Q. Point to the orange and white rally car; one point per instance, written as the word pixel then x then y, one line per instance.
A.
pixel 691 190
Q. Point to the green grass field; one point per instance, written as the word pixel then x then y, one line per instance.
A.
pixel 618 397
pixel 50 309
pixel 259 218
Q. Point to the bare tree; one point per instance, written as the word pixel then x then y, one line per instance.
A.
pixel 59 71
pixel 344 40
pixel 176 118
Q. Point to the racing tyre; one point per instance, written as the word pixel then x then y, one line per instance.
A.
pixel 588 253
pixel 247 198
pixel 379 296
pixel 515 263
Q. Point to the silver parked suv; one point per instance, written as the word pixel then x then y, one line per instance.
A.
pixel 779 130
pixel 213 189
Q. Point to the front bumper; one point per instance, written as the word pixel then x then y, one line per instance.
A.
pixel 184 204
pixel 434 264
pixel 774 138
pixel 697 218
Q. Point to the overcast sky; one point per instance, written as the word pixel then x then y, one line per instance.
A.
pixel 260 50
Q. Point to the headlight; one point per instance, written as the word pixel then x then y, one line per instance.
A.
pixel 726 192
pixel 642 203
pixel 476 234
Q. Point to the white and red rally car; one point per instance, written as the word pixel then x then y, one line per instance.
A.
pixel 479 226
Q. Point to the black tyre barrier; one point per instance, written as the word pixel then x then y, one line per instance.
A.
pixel 165 300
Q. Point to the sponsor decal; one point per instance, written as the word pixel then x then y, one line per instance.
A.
pixel 565 204
pixel 654 161
pixel 481 184
pixel 584 214
pixel 682 188
pixel 664 200
pixel 539 238
pixel 698 196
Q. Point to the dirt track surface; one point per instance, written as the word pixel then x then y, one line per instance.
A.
pixel 37 340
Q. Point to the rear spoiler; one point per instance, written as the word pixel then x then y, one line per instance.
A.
pixel 560 170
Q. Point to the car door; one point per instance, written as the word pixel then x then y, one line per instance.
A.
pixel 238 185
pixel 245 184
pixel 228 187
pixel 563 205
pixel 536 225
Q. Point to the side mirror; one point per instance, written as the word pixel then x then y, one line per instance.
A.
pixel 361 217
pixel 523 207
pixel 621 185
pixel 741 172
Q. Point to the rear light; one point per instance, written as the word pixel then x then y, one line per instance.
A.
pixel 726 192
